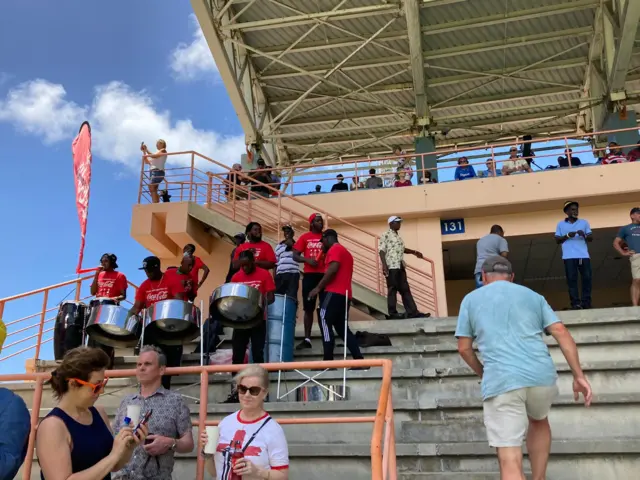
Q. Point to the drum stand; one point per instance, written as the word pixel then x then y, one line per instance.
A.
pixel 197 399
pixel 312 379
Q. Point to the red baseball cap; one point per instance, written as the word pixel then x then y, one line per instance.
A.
pixel 313 216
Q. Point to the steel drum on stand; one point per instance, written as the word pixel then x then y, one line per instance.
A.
pixel 171 322
pixel 281 329
pixel 239 305
pixel 69 327
pixel 114 326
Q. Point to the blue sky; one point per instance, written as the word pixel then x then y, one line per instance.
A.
pixel 138 70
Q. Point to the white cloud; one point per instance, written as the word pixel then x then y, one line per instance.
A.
pixel 120 118
pixel 39 107
pixel 194 60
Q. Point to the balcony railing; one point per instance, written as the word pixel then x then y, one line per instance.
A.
pixel 207 182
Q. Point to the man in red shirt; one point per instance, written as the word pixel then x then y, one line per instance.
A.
pixel 157 287
pixel 264 255
pixel 260 279
pixel 335 296
pixel 183 277
pixel 308 250
pixel 190 250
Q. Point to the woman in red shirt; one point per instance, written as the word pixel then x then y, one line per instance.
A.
pixel 190 250
pixel 108 283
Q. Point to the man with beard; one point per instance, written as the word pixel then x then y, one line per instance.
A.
pixel 263 253
pixel 308 250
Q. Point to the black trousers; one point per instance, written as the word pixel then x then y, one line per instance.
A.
pixel 334 309
pixel 288 284
pixel 174 358
pixel 397 283
pixel 574 267
pixel 240 340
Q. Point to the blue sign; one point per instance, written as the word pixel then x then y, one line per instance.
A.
pixel 452 227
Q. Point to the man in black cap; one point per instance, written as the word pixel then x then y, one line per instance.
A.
pixel 627 243
pixel 507 322
pixel 573 234
pixel 156 288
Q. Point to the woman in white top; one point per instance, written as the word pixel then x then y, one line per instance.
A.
pixel 156 163
pixel 252 431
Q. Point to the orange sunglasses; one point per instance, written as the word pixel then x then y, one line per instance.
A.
pixel 96 388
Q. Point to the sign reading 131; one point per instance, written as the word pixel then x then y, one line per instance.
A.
pixel 452 227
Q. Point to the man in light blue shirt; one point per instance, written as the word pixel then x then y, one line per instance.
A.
pixel 573 234
pixel 507 321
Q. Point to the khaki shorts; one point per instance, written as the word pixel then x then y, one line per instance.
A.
pixel 506 417
pixel 635 266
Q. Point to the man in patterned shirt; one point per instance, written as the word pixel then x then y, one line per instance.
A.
pixel 169 424
pixel 392 252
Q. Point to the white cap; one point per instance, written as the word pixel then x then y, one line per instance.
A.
pixel 394 218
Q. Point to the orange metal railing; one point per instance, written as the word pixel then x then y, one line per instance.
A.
pixel 383 454
pixel 18 330
pixel 205 181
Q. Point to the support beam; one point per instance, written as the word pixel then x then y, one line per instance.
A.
pixel 590 119
pixel 412 14
pixel 629 18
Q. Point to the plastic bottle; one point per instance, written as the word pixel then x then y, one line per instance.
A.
pixel 236 454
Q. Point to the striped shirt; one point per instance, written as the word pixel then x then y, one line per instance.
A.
pixel 284 260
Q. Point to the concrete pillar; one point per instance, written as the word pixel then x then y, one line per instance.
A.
pixel 426 145
pixel 614 122
pixel 428 239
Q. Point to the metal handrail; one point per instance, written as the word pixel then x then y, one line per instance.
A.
pixel 367 263
pixel 383 453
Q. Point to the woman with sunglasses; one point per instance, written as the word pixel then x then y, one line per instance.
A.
pixel 74 441
pixel 251 431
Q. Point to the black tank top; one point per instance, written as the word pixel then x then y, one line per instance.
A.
pixel 91 443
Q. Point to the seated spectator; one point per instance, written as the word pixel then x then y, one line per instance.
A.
pixel 634 154
pixel 403 180
pixel 615 155
pixel 373 181
pixel 340 186
pixel 356 184
pixel 491 170
pixel 464 171
pixel 234 181
pixel 317 190
pixel 428 178
pixel 404 163
pixel 515 164
pixel 563 162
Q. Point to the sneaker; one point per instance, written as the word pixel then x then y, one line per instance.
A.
pixel 304 344
pixel 232 398
pixel 395 316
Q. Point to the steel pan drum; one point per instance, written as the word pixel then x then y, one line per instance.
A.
pixel 172 322
pixel 114 326
pixel 67 333
pixel 239 305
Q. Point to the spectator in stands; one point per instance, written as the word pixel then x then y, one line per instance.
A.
pixel 402 181
pixel 392 252
pixel 339 186
pixel 491 170
pixel 428 178
pixel 170 423
pixel 15 423
pixel 634 154
pixel 317 190
pixel 189 250
pixel 491 245
pixel 373 181
pixel 262 175
pixel 356 184
pixel 75 437
pixel 263 443
pixel 627 243
pixel 563 162
pixel 156 162
pixel 573 234
pixel 615 155
pixel 464 171
pixel 234 183
pixel 515 164
pixel 403 162
pixel 507 322
pixel 238 239
pixel 287 269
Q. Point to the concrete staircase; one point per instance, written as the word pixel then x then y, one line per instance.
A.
pixel 438 412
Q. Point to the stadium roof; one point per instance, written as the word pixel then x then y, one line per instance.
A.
pixel 323 79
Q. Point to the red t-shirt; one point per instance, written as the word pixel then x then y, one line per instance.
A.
pixel 310 246
pixel 341 281
pixel 195 271
pixel 259 278
pixel 150 292
pixel 404 183
pixel 262 251
pixel 111 284
pixel 183 281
